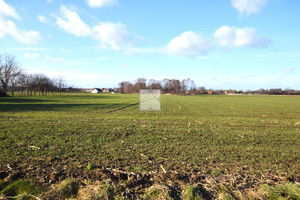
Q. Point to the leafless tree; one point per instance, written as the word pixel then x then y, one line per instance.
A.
pixel 154 84
pixel 201 90
pixel 184 85
pixel 193 87
pixel 188 86
pixel 122 86
pixel 9 70
pixel 129 88
pixel 27 83
pixel 176 86
pixel 164 85
pixel 41 84
pixel 60 83
pixel 140 84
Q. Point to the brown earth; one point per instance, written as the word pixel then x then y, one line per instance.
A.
pixel 50 172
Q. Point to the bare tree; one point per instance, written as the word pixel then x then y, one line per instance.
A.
pixel 140 84
pixel 27 83
pixel 14 83
pixel 60 83
pixel 9 70
pixel 122 86
pixel 41 84
pixel 154 84
pixel 129 88
pixel 201 90
pixel 193 87
pixel 165 85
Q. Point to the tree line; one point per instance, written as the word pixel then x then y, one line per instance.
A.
pixel 170 86
pixel 13 78
pixel 188 87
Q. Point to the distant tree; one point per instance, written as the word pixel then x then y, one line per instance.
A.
pixel 184 86
pixel 276 91
pixel 176 86
pixel 26 83
pixel 41 84
pixel 60 83
pixel 201 90
pixel 140 84
pixel 188 86
pixel 193 87
pixel 261 91
pixel 154 84
pixel 9 71
pixel 122 86
pixel 129 88
pixel 165 85
pixel 15 82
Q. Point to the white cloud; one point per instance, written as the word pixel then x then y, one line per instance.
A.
pixel 31 55
pixel 125 64
pixel 101 3
pixel 2 34
pixel 49 1
pixel 42 19
pixel 232 36
pixel 26 37
pixel 188 44
pixel 7 10
pixel 248 6
pixel 8 27
pixel 71 22
pixel 112 34
pixel 288 70
pixel 54 60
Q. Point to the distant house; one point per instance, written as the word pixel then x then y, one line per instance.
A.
pixel 96 90
pixel 108 90
pixel 209 92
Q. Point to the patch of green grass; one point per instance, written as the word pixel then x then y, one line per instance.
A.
pixel 191 193
pixel 158 192
pixel 214 172
pixel 139 169
pixel 70 189
pixel 66 189
pixel 20 187
pixel 289 191
pixel 109 191
pixel 90 166
pixel 225 193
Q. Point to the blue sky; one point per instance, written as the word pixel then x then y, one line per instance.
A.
pixel 221 44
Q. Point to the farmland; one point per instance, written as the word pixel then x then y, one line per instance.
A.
pixel 250 140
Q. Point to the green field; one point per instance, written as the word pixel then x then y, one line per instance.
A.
pixel 215 136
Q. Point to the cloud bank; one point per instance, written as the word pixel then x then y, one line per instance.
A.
pixel 111 35
pixel 248 6
pixel 188 44
pixel 227 36
pixel 8 27
pixel 101 3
